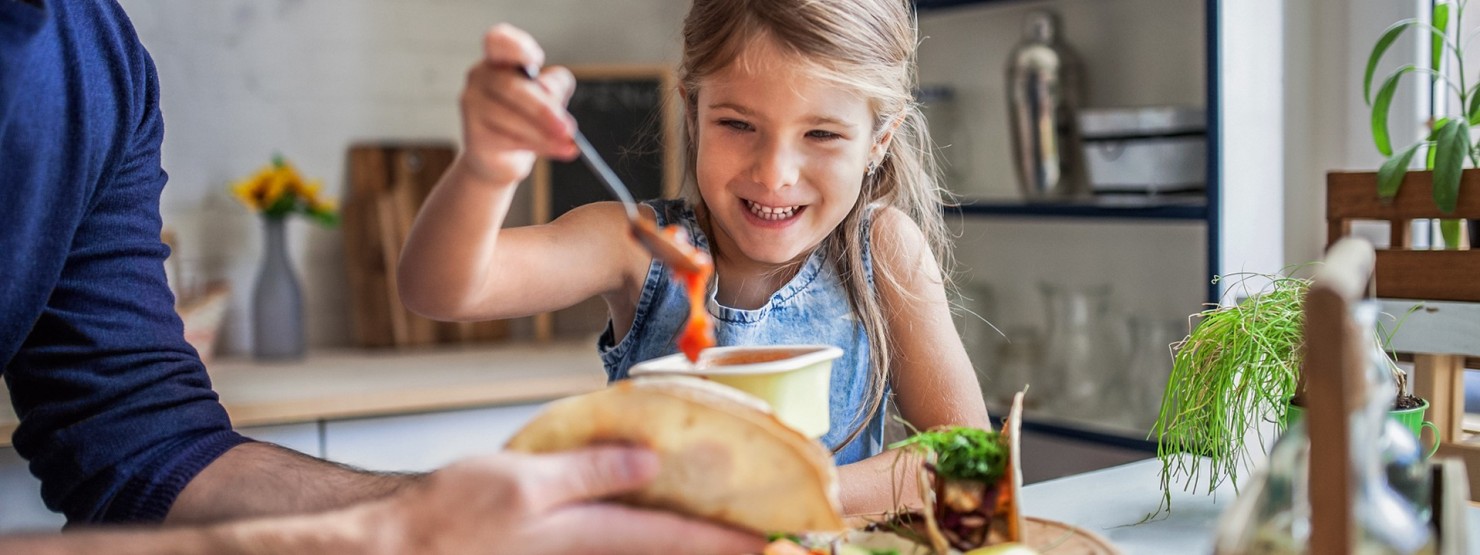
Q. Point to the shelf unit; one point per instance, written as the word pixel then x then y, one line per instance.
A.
pixel 1205 210
pixel 1148 209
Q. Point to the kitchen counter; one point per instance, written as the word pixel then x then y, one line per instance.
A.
pixel 354 383
pixel 1110 502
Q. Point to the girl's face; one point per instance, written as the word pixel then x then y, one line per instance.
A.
pixel 781 155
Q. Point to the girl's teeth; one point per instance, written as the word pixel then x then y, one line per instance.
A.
pixel 770 212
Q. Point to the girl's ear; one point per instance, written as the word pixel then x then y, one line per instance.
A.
pixel 881 146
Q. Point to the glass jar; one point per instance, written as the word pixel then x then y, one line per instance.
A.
pixel 1084 361
pixel 1148 366
pixel 1015 366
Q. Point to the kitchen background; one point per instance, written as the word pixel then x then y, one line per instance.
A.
pixel 244 79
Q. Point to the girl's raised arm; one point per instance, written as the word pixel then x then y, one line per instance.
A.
pixel 458 262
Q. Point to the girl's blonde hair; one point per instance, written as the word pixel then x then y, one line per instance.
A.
pixel 867 46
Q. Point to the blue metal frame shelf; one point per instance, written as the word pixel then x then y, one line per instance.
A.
pixel 1189 210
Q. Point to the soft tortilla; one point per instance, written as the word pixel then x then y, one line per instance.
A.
pixel 724 455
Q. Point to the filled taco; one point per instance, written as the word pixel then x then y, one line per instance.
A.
pixel 724 456
pixel 970 486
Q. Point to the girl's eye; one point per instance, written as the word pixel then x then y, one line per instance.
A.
pixel 735 124
pixel 823 135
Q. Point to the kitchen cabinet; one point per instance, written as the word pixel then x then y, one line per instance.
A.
pixel 1156 255
pixel 20 497
pixel 423 442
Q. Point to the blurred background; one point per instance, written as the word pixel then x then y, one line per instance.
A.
pixel 1255 100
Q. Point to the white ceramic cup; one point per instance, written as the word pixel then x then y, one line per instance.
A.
pixel 793 379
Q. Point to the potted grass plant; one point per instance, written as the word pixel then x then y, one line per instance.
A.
pixel 1237 369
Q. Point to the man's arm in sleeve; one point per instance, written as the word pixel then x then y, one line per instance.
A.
pixel 117 412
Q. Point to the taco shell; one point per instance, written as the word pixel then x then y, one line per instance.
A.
pixel 724 456
pixel 1009 509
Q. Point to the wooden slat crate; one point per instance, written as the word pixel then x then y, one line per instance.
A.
pixel 1448 275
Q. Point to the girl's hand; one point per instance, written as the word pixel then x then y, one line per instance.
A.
pixel 509 120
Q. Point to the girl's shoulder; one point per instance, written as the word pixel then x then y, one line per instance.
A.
pixel 892 230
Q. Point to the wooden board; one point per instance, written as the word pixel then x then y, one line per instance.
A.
pixel 1434 275
pixel 1052 537
pixel 1470 454
pixel 388 181
pixel 1353 196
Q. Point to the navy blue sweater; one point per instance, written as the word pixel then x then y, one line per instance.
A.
pixel 117 413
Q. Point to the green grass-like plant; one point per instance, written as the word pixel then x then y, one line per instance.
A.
pixel 1239 367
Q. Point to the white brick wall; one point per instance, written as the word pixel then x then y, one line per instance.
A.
pixel 242 79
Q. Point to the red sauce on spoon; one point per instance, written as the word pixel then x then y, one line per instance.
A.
pixel 698 333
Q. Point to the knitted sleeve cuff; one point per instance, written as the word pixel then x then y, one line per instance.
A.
pixel 148 495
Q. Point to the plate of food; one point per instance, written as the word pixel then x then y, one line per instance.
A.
pixel 727 458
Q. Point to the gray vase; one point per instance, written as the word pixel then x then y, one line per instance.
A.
pixel 277 304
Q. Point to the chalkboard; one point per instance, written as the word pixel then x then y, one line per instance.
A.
pixel 627 115
pixel 630 115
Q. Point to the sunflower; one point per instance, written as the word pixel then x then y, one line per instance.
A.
pixel 277 190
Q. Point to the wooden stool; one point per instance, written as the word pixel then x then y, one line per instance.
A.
pixel 1332 377
pixel 1443 337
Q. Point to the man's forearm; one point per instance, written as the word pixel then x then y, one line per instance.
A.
pixel 261 479
pixel 354 530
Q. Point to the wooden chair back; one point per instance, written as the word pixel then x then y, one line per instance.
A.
pixel 1444 338
pixel 1403 273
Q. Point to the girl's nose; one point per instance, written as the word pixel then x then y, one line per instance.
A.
pixel 777 164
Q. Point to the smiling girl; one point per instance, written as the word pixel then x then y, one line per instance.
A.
pixel 809 181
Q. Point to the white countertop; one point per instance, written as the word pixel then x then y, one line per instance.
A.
pixel 1110 502
pixel 352 383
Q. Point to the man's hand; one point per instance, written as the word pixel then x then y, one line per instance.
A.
pixel 546 504
pixel 501 503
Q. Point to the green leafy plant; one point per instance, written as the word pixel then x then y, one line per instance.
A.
pixel 1238 367
pixel 1448 145
pixel 963 453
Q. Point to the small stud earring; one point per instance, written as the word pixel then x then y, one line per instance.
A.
pixel 869 172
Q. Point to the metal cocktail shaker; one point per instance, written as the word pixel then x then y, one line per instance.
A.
pixel 1043 79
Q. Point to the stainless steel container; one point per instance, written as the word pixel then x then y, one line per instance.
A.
pixel 1043 79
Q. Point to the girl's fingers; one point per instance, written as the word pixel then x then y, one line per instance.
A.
pixel 494 126
pixel 499 99
pixel 560 82
pixel 507 45
pixel 528 98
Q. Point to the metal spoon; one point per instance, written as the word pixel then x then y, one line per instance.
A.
pixel 659 245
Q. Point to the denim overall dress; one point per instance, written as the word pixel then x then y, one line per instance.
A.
pixel 812 308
